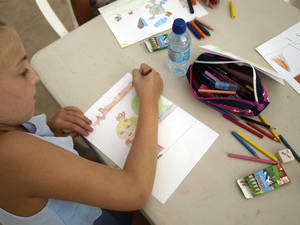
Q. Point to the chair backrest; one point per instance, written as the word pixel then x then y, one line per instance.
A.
pixel 52 18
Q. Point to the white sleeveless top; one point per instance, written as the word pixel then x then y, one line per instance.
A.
pixel 56 212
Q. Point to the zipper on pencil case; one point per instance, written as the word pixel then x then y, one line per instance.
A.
pixel 237 61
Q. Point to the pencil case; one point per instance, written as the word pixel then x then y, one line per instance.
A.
pixel 214 72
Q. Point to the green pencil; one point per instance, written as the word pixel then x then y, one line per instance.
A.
pixel 289 147
pixel 205 31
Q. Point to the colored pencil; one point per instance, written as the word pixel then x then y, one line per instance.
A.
pixel 218 109
pixel 197 29
pixel 257 147
pixel 245 144
pixel 232 9
pixel 251 158
pixel 270 129
pixel 193 30
pixel 255 121
pixel 205 31
pixel 262 131
pixel 204 23
pixel 194 2
pixel 243 126
pixel 216 91
pixel 249 87
pixel 289 147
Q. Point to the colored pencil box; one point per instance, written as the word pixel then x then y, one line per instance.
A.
pixel 251 97
pixel 263 181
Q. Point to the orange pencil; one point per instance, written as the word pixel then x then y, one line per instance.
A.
pixel 197 29
pixel 216 91
pixel 194 2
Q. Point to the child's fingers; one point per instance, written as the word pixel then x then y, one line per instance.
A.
pixel 145 69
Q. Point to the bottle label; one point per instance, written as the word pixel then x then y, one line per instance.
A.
pixel 179 57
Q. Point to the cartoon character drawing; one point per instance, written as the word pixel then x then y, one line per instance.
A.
pixel 126 129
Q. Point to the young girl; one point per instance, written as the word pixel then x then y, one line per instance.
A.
pixel 43 180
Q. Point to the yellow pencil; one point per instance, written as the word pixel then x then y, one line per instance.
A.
pixel 232 9
pixel 257 147
pixel 270 129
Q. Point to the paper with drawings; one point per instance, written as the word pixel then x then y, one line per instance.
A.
pixel 182 140
pixel 134 20
pixel 283 53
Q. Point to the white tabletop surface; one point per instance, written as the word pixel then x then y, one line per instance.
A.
pixel 83 65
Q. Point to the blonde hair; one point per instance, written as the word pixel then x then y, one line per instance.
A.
pixel 132 120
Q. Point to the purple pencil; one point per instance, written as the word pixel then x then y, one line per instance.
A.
pixel 219 110
pixel 251 158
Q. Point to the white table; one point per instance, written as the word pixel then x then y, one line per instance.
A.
pixel 83 65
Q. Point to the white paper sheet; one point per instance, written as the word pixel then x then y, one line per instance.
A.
pixel 283 54
pixel 123 17
pixel 183 138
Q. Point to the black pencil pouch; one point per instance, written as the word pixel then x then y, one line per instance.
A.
pixel 215 72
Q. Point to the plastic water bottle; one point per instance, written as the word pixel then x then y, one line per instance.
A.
pixel 179 42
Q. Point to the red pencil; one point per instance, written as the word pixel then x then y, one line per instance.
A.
pixel 243 126
pixel 262 131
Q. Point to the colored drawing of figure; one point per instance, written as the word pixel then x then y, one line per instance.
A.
pixel 126 129
pixel 103 111
pixel 155 8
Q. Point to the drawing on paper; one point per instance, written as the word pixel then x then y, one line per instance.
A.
pixel 297 78
pixel 118 18
pixel 103 111
pixel 155 8
pixel 161 22
pixel 281 61
pixel 126 128
pixel 123 17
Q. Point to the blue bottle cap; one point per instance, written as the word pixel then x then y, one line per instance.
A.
pixel 179 26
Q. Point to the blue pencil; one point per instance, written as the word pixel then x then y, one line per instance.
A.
pixel 193 30
pixel 244 143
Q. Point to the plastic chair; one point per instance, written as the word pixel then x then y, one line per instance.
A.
pixel 52 18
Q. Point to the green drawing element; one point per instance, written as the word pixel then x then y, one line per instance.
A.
pixel 155 8
pixel 135 106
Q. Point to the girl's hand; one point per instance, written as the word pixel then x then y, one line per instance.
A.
pixel 70 121
pixel 147 83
